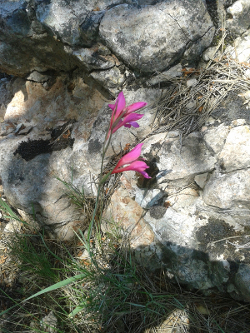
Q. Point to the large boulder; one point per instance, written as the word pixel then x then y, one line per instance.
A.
pixel 152 38
pixel 58 133
pixel 54 36
pixel 196 208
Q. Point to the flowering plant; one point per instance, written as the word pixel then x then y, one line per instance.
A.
pixel 122 115
pixel 130 162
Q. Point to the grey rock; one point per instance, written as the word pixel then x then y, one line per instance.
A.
pixel 111 79
pixel 49 323
pixel 151 38
pixel 239 12
pixel 26 45
pixel 241 48
pixel 149 198
pixel 230 191
pixel 93 60
pixel 215 137
pixel 210 53
pixel 176 161
pixel 6 128
pixel 38 77
pixel 235 154
pixel 32 183
pixel 242 281
pixel 90 27
pixel 5 96
pixel 173 72
pixel 192 82
pixel 201 179
pixel 65 19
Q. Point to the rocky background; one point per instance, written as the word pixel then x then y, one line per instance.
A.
pixel 63 61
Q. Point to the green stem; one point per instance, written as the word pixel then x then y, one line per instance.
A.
pixel 100 186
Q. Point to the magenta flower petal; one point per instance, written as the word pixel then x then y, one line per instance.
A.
pixel 112 106
pixel 128 120
pixel 138 166
pixel 145 175
pixel 132 123
pixel 135 166
pixel 119 105
pixel 122 115
pixel 135 106
pixel 130 162
pixel 130 157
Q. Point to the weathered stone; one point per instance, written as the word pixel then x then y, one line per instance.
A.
pixel 5 96
pixel 242 281
pixel 111 79
pixel 236 151
pixel 238 22
pixel 33 104
pixel 176 161
pixel 147 199
pixel 173 72
pixel 49 323
pixel 92 60
pixel 90 27
pixel 38 77
pixel 201 179
pixel 81 161
pixel 230 191
pixel 210 53
pixel 169 28
pixel 215 137
pixel 25 43
pixel 128 215
pixel 241 48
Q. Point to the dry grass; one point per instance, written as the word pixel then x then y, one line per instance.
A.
pixel 186 108
pixel 116 294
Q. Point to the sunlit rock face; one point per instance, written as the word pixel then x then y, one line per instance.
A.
pixel 109 41
pixel 151 38
pixel 192 217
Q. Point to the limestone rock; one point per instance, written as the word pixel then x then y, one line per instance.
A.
pixel 26 45
pixel 176 161
pixel 237 139
pixel 229 191
pixel 242 48
pixel 215 137
pixel 151 38
pixel 239 12
pixel 92 59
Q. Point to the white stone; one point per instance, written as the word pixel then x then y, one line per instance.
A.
pixel 236 8
pixel 210 53
pixel 148 198
pixel 216 136
pixel 192 82
pixel 49 323
pixel 201 179
pixel 13 226
pixel 242 47
pixel 227 191
pixel 247 73
pixel 235 154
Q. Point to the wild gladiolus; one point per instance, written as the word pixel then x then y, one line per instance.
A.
pixel 130 161
pixel 124 116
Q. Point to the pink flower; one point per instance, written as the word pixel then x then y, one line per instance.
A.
pixel 130 162
pixel 124 116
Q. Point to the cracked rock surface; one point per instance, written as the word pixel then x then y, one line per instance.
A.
pixel 192 217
